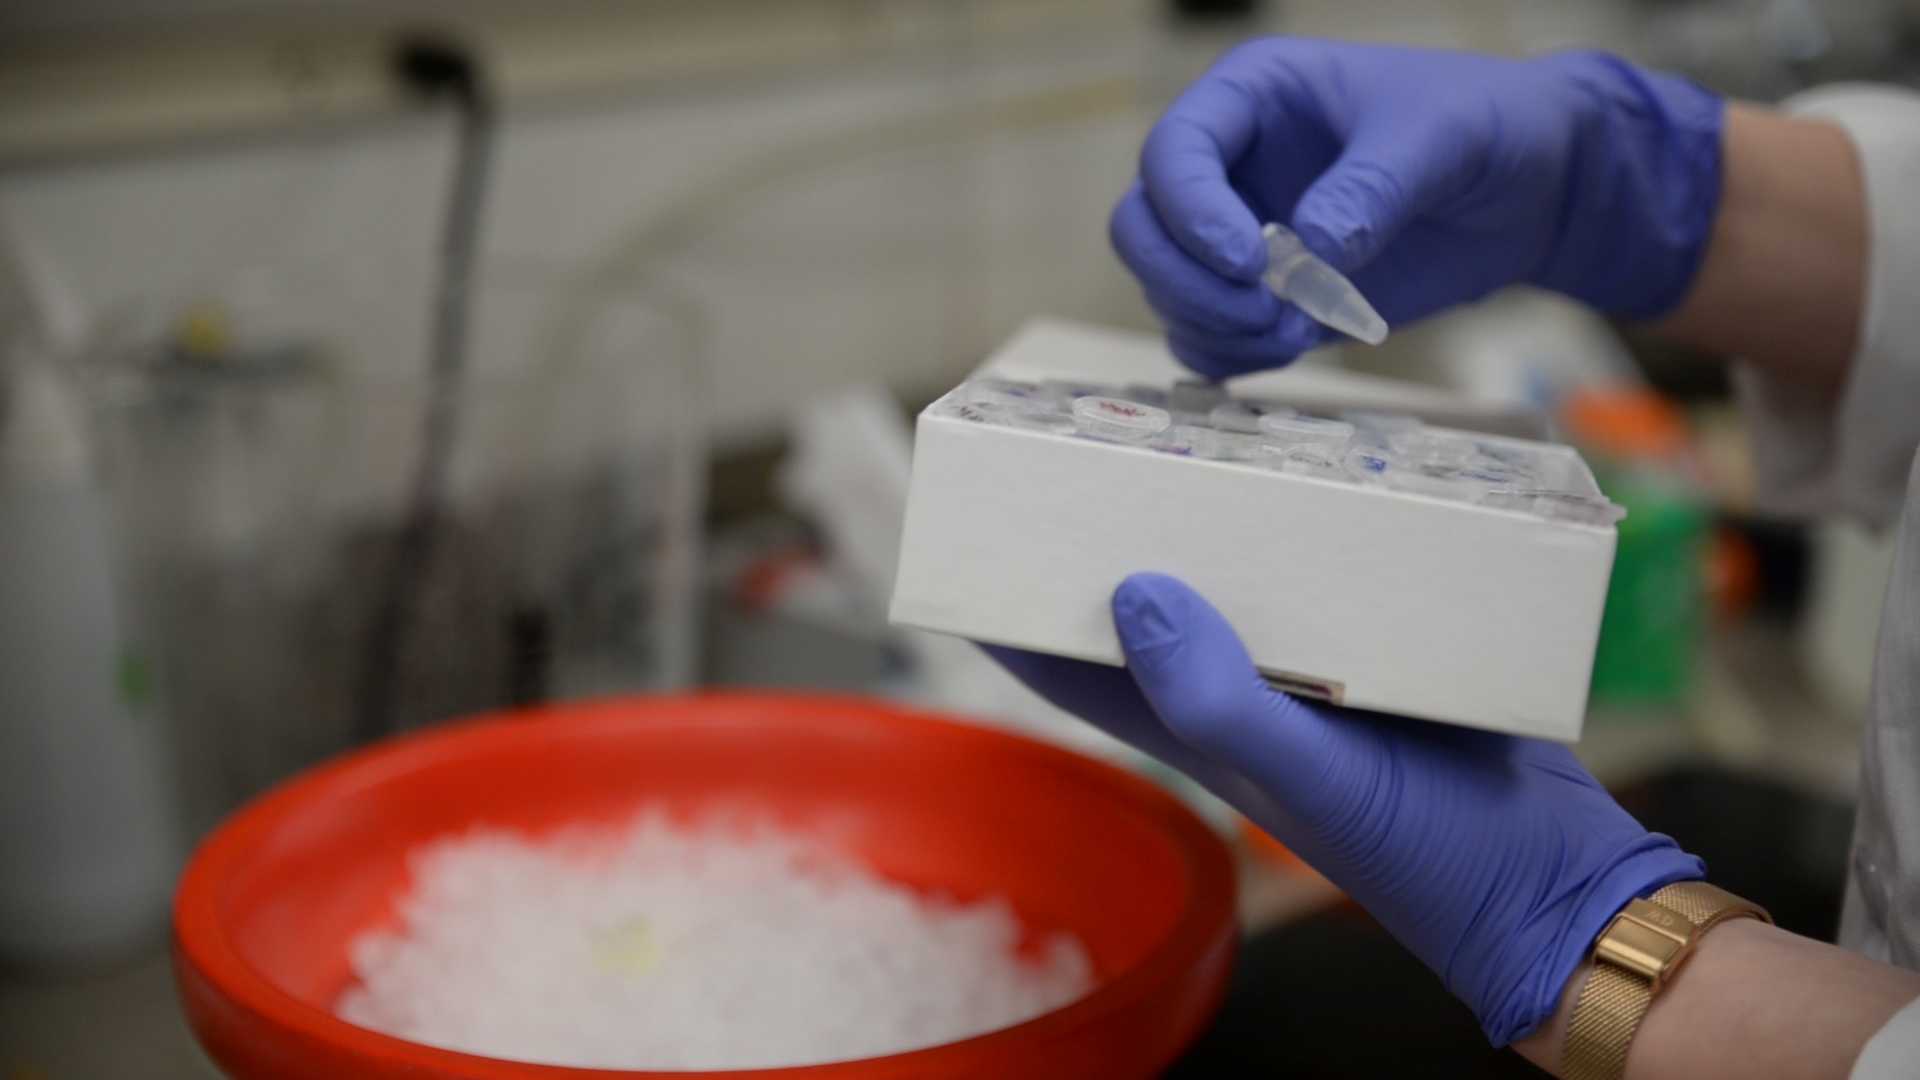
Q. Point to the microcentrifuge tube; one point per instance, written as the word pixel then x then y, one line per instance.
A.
pixel 1558 506
pixel 1118 420
pixel 1381 422
pixel 1290 430
pixel 1001 403
pixel 1438 481
pixel 1322 461
pixel 1298 275
pixel 1369 464
pixel 1212 443
pixel 1427 447
pixel 1494 473
pixel 1006 393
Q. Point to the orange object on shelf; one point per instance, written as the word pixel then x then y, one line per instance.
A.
pixel 768 578
pixel 271 899
pixel 1733 574
pixel 1627 422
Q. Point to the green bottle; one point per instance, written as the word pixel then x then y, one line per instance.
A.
pixel 1655 619
pixel 1656 604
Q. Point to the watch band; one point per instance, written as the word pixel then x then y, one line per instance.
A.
pixel 1632 959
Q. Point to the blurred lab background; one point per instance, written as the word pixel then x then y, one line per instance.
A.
pixel 366 363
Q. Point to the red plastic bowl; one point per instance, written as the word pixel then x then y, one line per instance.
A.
pixel 271 899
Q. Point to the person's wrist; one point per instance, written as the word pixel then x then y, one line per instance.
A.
pixel 1564 930
pixel 1546 1045
pixel 1640 208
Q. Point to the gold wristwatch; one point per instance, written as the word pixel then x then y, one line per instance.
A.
pixel 1632 959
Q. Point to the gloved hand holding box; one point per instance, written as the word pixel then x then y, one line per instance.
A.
pixel 1370 560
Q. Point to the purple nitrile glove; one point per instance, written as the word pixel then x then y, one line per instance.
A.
pixel 1430 178
pixel 1497 860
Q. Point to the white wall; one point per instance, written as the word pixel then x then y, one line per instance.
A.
pixel 903 262
pixel 818 260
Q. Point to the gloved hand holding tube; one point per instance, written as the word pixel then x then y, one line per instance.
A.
pixel 1428 178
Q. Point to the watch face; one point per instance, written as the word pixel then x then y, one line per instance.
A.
pixel 1644 940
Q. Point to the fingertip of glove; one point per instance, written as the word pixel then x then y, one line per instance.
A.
pixel 1146 612
pixel 1188 663
pixel 1235 252
pixel 1329 230
pixel 1209 222
pixel 1350 213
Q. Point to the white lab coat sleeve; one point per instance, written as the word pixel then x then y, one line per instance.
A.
pixel 1894 1051
pixel 1811 457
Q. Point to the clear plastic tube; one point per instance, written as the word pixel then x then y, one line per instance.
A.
pixel 1369 464
pixel 1212 443
pixel 1299 276
pixel 1381 422
pixel 1295 429
pixel 1009 394
pixel 1558 506
pixel 1322 461
pixel 1369 447
pixel 1119 420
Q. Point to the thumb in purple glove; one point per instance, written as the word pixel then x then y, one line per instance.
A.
pixel 1496 860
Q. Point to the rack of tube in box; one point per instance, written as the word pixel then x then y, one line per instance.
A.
pixel 1362 446
pixel 1365 557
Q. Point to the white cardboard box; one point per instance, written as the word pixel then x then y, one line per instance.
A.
pixel 1383 600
